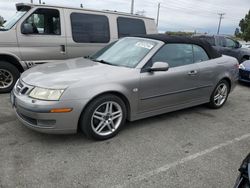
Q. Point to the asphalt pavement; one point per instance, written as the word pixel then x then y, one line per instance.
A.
pixel 195 147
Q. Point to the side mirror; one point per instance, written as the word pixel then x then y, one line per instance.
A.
pixel 27 28
pixel 159 66
pixel 237 44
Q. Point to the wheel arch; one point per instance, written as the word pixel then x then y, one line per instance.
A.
pixel 246 57
pixel 116 93
pixel 12 60
pixel 227 79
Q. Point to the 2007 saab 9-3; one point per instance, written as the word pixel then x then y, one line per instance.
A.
pixel 133 78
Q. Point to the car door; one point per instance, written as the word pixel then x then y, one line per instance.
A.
pixel 175 87
pixel 227 46
pixel 46 41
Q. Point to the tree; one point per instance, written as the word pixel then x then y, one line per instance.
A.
pixel 1 21
pixel 237 32
pixel 245 27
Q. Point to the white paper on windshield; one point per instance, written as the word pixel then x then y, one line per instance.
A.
pixel 146 45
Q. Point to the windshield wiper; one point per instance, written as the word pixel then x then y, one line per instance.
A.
pixel 2 29
pixel 102 61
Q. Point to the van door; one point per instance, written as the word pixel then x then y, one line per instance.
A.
pixel 41 36
pixel 87 32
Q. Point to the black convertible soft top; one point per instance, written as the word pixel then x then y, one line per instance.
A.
pixel 212 53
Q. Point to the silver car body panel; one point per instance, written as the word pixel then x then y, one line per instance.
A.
pixel 146 94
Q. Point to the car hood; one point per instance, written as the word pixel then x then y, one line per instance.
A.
pixel 245 50
pixel 62 74
pixel 247 64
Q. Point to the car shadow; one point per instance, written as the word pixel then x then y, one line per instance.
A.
pixel 128 127
pixel 244 84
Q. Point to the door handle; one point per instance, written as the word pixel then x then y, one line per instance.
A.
pixel 192 72
pixel 62 49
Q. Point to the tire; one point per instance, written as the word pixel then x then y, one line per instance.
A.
pixel 9 74
pixel 97 122
pixel 220 92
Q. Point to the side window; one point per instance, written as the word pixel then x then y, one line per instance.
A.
pixel 175 55
pixel 90 28
pixel 221 41
pixel 199 54
pixel 130 26
pixel 45 22
pixel 230 43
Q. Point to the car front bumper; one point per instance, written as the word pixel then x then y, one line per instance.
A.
pixel 244 75
pixel 36 115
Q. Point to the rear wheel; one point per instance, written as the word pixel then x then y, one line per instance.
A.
pixel 219 95
pixel 104 117
pixel 9 74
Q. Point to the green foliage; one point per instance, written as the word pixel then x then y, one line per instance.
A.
pixel 245 27
pixel 179 33
pixel 237 33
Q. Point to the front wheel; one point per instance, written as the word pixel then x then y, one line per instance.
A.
pixel 104 117
pixel 219 95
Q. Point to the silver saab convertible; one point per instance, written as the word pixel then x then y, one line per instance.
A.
pixel 133 78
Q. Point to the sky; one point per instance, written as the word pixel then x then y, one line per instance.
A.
pixel 175 15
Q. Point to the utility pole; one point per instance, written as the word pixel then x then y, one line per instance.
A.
pixel 158 14
pixel 132 6
pixel 221 17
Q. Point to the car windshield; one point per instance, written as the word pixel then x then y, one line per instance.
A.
pixel 13 20
pixel 127 52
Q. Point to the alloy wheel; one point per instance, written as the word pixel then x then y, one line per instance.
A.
pixel 220 95
pixel 107 118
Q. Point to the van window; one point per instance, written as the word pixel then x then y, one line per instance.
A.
pixel 90 28
pixel 45 22
pixel 130 26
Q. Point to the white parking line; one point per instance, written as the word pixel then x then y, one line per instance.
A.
pixel 181 161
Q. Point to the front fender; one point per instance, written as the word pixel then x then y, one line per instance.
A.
pixel 129 92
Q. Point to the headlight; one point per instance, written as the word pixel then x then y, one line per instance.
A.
pixel 46 94
pixel 242 67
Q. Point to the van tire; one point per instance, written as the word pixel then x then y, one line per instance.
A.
pixel 10 71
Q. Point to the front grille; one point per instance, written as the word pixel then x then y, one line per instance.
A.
pixel 245 74
pixel 22 88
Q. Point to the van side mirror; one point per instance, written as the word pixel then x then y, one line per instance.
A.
pixel 27 28
pixel 159 66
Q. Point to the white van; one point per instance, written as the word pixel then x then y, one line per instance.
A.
pixel 41 33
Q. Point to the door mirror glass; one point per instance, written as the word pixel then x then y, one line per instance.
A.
pixel 27 28
pixel 159 66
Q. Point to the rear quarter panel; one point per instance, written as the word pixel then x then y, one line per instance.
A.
pixel 212 71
